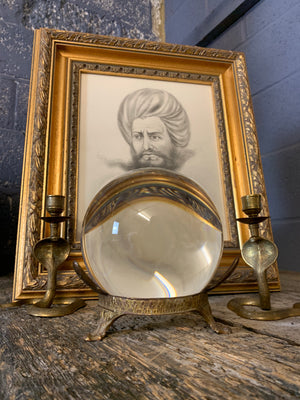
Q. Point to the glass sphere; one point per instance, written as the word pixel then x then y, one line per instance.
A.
pixel 152 234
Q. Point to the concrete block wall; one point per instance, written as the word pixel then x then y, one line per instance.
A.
pixel 269 35
pixel 18 19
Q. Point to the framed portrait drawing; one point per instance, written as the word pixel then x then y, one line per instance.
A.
pixel 102 106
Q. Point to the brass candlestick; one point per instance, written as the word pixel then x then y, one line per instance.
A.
pixel 51 253
pixel 258 253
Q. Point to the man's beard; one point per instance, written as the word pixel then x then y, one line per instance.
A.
pixel 175 161
pixel 148 159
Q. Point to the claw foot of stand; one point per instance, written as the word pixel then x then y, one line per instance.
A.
pixel 107 318
pixel 205 311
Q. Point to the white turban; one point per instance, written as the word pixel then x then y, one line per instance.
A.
pixel 146 103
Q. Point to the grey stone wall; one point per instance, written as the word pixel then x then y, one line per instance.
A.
pixel 269 35
pixel 18 19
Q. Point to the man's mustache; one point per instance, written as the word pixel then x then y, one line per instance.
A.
pixel 151 153
pixel 139 161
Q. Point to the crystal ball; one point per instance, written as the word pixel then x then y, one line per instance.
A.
pixel 152 234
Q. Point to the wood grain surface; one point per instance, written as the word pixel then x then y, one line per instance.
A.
pixel 167 357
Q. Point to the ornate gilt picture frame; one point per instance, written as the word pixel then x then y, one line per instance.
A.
pixel 74 145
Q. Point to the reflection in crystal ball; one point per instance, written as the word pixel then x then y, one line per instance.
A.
pixel 152 248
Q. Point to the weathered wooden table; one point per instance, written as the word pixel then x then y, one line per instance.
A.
pixel 169 357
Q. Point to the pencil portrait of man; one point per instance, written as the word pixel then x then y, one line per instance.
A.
pixel 127 123
pixel 157 129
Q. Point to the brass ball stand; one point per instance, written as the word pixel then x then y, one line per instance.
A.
pixel 114 307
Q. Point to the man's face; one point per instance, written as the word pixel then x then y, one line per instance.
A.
pixel 151 143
